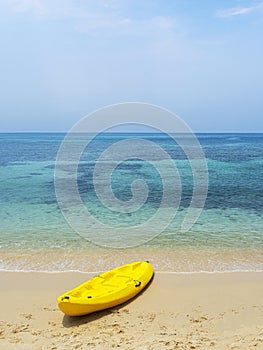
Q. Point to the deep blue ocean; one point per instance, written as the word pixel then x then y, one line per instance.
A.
pixel 31 222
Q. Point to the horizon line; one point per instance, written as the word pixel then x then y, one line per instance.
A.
pixel 131 132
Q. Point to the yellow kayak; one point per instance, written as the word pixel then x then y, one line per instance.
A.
pixel 107 290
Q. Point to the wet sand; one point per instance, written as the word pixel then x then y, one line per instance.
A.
pixel 163 259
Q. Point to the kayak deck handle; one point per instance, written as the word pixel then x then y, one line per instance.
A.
pixel 137 283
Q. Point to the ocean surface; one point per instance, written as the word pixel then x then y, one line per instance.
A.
pixel 228 235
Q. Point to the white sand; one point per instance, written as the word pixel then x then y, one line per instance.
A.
pixel 191 311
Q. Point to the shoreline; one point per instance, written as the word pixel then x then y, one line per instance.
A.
pixel 162 259
pixel 156 271
pixel 176 311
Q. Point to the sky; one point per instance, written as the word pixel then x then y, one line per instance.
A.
pixel 62 59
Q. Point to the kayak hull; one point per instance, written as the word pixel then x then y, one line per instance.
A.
pixel 107 290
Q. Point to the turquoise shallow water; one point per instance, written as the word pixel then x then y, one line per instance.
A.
pixel 231 221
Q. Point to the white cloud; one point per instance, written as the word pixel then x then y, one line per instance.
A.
pixel 37 7
pixel 103 19
pixel 49 9
pixel 125 25
pixel 236 11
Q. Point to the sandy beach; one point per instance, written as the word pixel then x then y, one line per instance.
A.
pixel 177 311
